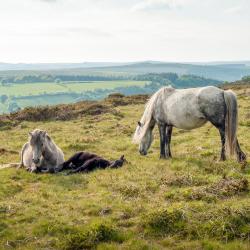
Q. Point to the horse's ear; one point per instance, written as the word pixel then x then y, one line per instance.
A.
pixel 139 124
pixel 44 133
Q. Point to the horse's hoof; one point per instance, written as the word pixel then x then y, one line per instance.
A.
pixel 221 159
pixel 162 156
pixel 242 158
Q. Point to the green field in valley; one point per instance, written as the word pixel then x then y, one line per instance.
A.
pixel 25 89
pixel 23 95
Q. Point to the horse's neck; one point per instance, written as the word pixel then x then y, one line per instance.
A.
pixel 50 147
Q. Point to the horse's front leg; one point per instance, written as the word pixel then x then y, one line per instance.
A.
pixel 168 141
pixel 162 131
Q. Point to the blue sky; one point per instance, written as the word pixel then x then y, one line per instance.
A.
pixel 124 30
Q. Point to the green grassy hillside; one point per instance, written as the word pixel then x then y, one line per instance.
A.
pixel 189 202
pixel 52 87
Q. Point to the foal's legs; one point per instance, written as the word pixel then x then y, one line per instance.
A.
pixel 168 141
pixel 162 130
pixel 84 168
pixel 90 165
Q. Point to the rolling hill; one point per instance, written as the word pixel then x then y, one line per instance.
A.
pixel 189 202
pixel 223 71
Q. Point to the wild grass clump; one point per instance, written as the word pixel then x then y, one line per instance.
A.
pixel 226 187
pixel 90 238
pixel 128 191
pixel 165 222
pixel 52 228
pixel 183 180
pixel 224 224
pixel 200 223
pixel 10 190
pixel 117 99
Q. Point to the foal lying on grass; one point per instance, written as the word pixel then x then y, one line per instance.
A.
pixel 86 162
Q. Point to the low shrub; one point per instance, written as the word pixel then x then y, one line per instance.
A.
pixel 90 238
pixel 165 222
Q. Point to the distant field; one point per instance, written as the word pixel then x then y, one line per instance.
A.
pixel 78 87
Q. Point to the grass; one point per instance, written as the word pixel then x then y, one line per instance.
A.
pixel 189 202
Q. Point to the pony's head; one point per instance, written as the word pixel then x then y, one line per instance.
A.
pixel 37 142
pixel 144 137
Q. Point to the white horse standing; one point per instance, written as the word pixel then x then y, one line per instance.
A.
pixel 189 109
pixel 40 153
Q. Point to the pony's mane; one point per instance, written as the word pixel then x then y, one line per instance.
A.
pixel 48 139
pixel 147 115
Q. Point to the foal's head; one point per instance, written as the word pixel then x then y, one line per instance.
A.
pixel 146 138
pixel 37 142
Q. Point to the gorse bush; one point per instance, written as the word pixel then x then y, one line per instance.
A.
pixel 164 222
pixel 224 224
pixel 90 238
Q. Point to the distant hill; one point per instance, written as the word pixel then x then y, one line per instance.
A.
pixel 223 71
pixel 49 66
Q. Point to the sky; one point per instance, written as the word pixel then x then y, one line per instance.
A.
pixel 35 31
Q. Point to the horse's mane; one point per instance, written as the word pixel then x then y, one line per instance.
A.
pixel 147 115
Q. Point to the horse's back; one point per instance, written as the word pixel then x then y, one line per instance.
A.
pixel 191 108
pixel 182 110
pixel 212 104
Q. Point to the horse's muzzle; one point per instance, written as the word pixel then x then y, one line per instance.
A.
pixel 36 161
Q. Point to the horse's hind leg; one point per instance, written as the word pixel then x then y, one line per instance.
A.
pixel 241 156
pixel 162 130
pixel 168 141
pixel 223 141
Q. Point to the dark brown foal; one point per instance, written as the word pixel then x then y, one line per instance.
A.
pixel 86 162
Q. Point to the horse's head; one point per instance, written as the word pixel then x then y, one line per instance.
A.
pixel 37 142
pixel 146 138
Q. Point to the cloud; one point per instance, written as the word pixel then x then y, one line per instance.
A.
pixel 151 5
pixel 94 32
pixel 49 1
pixel 234 9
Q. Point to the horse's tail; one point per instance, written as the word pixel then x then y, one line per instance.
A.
pixel 9 165
pixel 15 165
pixel 231 121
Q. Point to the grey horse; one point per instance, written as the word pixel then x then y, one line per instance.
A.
pixel 40 152
pixel 189 109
